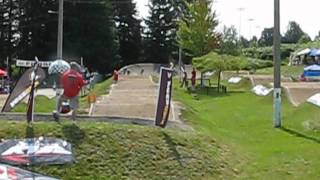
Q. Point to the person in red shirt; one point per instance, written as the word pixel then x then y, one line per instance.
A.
pixel 193 78
pixel 72 82
pixel 115 76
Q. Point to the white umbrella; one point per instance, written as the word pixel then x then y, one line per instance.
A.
pixel 58 67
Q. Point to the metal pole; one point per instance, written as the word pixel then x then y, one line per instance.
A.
pixel 240 10
pixel 56 114
pixel 277 64
pixel 250 30
pixel 180 63
pixel 60 31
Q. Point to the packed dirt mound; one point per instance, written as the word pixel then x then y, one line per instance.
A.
pixel 299 92
pixel 145 69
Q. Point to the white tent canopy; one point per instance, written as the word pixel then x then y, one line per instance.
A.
pixel 304 52
pixel 314 67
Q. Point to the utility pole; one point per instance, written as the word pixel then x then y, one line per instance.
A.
pixel 240 12
pixel 180 62
pixel 277 64
pixel 250 30
pixel 60 31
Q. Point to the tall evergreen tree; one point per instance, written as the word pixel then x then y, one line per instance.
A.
pixel 294 33
pixel 38 30
pixel 230 43
pixel 244 43
pixel 27 30
pixel 9 18
pixel 160 35
pixel 266 38
pixel 89 32
pixel 128 30
pixel 197 33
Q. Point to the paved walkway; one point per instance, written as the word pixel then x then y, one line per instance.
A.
pixel 132 96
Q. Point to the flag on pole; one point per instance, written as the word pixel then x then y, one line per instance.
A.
pixel 30 110
pixel 164 97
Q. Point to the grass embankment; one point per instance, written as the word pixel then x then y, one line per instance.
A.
pixel 98 89
pixel 243 122
pixel 109 151
pixel 287 71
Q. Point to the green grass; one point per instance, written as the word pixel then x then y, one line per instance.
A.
pixel 46 105
pixel 287 71
pixel 109 151
pixel 233 137
pixel 99 89
pixel 42 105
pixel 243 122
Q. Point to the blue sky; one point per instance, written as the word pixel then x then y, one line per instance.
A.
pixel 260 12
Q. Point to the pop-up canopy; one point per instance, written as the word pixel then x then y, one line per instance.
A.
pixel 3 73
pixel 313 70
pixel 304 52
pixel 314 52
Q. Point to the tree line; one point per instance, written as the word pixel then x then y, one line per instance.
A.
pixel 108 34
pixel 232 44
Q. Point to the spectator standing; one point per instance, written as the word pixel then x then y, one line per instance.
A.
pixel 193 78
pixel 115 76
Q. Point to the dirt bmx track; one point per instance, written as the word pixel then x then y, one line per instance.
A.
pixel 132 96
pixel 299 92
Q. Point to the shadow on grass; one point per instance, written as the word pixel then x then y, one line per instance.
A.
pixel 172 146
pixel 73 134
pixel 29 132
pixel 300 135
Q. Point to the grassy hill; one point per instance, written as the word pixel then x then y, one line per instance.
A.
pixel 109 151
pixel 233 137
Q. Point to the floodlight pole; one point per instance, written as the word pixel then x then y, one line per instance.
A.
pixel 180 63
pixel 277 64
pixel 60 31
pixel 240 12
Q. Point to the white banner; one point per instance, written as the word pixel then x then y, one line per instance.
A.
pixel 27 63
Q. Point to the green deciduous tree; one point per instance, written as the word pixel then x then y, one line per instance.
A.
pixel 196 33
pixel 219 63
